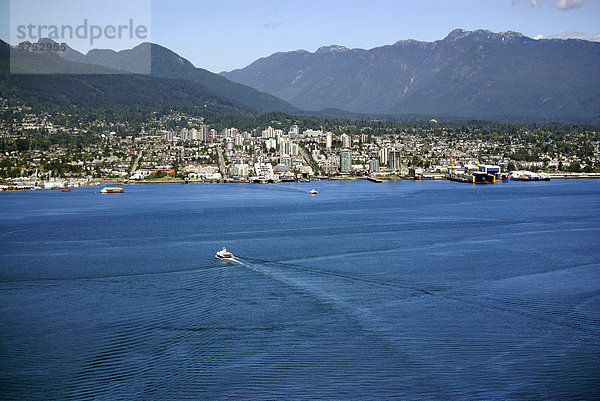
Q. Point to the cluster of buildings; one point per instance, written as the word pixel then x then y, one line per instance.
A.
pixel 183 147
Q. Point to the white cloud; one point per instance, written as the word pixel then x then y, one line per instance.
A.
pixel 560 4
pixel 566 35
pixel 569 35
pixel 569 4
pixel 273 25
pixel 534 3
pixel 596 38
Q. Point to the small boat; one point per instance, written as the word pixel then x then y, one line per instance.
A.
pixel 67 190
pixel 224 254
pixel 112 190
pixel 313 191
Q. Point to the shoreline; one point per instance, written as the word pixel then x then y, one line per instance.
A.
pixel 103 182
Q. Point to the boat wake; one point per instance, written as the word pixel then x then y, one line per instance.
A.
pixel 345 276
pixel 395 291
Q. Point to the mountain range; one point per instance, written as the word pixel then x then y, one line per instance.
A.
pixel 48 79
pixel 104 77
pixel 471 74
pixel 165 63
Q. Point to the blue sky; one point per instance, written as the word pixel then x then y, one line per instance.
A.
pixel 228 34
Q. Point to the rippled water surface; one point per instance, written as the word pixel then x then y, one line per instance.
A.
pixel 405 290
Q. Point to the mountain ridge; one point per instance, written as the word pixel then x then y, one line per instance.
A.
pixel 159 61
pixel 479 74
pixel 48 79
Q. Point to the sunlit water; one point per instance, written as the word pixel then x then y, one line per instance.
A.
pixel 404 290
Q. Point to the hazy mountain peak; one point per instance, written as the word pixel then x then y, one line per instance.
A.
pixel 479 34
pixel 46 40
pixel 101 52
pixel 457 34
pixel 483 35
pixel 69 54
pixel 512 34
pixel 407 41
pixel 331 49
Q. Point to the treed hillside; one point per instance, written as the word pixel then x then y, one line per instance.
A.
pixel 477 74
pixel 165 63
pixel 77 84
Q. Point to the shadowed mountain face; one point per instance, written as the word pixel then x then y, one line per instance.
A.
pixel 472 74
pixel 164 63
pixel 47 78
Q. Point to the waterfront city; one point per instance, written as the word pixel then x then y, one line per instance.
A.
pixel 43 150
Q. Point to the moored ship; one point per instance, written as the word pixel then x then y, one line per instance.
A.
pixel 529 176
pixel 482 174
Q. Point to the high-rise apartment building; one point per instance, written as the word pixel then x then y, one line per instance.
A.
pixel 345 161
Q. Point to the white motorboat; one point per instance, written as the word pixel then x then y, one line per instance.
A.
pixel 313 191
pixel 224 254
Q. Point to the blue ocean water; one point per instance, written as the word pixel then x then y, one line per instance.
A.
pixel 399 290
